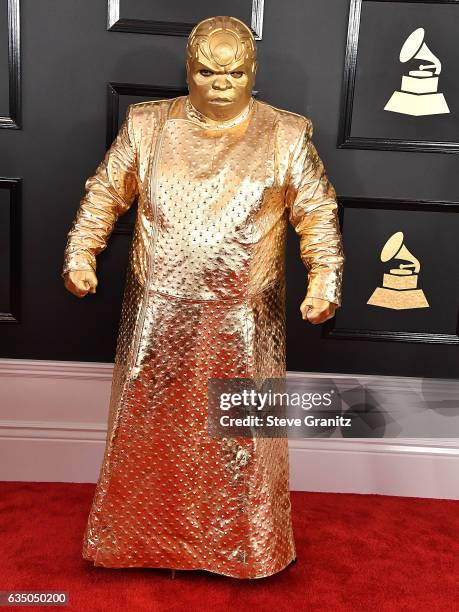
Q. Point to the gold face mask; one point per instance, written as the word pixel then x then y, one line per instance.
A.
pixel 221 66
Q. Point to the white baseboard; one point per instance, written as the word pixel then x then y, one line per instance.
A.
pixel 53 425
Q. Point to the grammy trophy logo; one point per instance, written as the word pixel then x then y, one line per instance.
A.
pixel 399 290
pixel 419 90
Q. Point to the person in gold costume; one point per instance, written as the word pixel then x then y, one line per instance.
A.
pixel 218 175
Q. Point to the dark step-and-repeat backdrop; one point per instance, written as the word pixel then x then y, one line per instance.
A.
pixel 377 78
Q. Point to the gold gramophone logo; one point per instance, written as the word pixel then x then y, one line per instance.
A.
pixel 419 90
pixel 400 286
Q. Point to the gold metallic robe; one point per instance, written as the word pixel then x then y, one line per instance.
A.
pixel 204 297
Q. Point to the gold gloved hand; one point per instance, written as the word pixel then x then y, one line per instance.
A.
pixel 315 310
pixel 80 282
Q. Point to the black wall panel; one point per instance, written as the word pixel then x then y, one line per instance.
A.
pixel 69 58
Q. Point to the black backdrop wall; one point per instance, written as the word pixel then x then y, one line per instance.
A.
pixel 68 60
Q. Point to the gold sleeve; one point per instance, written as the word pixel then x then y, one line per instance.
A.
pixel 109 193
pixel 313 212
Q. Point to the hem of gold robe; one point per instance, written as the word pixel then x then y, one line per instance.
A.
pixel 240 575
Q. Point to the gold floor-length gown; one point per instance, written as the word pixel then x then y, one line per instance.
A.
pixel 204 297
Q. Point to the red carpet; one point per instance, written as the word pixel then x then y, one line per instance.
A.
pixel 355 552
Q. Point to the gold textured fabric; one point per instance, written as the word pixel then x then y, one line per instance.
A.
pixel 204 297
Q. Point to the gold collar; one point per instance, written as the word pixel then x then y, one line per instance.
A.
pixel 193 114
